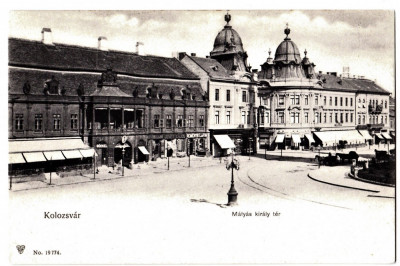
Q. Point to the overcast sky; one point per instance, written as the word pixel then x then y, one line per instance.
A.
pixel 362 40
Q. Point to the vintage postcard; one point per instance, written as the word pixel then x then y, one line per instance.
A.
pixel 201 136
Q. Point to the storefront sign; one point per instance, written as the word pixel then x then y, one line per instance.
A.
pixel 101 145
pixel 167 136
pixel 196 135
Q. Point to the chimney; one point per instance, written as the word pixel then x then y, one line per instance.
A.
pixel 102 43
pixel 140 48
pixel 47 37
pixel 181 55
pixel 193 54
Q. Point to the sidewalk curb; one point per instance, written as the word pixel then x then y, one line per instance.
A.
pixel 371 182
pixel 337 185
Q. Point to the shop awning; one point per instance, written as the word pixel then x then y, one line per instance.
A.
pixel 143 150
pixel 16 158
pixel 53 155
pixel 310 138
pixel 393 133
pixel 379 136
pixel 32 157
pixel 279 138
pixel 171 145
pixel 73 154
pixel 88 153
pixel 224 141
pixel 386 136
pixel 48 144
pixel 351 136
pixel 365 134
pixel 296 138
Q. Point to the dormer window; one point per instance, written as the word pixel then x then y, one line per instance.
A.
pixel 215 68
pixel 51 86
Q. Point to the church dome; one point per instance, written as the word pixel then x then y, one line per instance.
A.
pixel 287 51
pixel 227 39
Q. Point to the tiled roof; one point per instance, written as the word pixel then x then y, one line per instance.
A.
pixel 70 81
pixel 349 84
pixel 69 57
pixel 212 67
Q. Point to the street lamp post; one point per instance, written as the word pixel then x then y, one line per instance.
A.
pixel 122 163
pixel 232 193
pixel 94 164
pixel 51 158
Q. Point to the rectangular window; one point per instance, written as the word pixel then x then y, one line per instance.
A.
pixel 216 117
pixel 306 117
pixel 168 121
pixel 243 117
pixel 347 101
pixel 330 117
pixel 38 122
pixel 351 101
pixel 228 95
pixel 351 118
pixel 386 119
pixel 179 121
pixel 347 117
pixel 341 101
pixel 316 99
pixel 19 122
pixel 191 121
pixel 341 117
pixel 217 94
pixel 244 96
pixel 74 121
pixel 248 118
pixel 381 119
pixel 156 121
pixel 262 118
pixel 359 119
pixel 139 118
pixel 363 119
pixel 306 100
pixel 330 101
pixel 324 117
pixel 385 104
pixel 335 101
pixel 324 100
pixel 297 118
pixel 316 117
pixel 267 118
pixel 292 99
pixel 297 99
pixel 201 120
pixel 265 101
pixel 281 100
pixel 228 117
pixel 281 117
pixel 56 121
pixel 336 118
pixel 292 118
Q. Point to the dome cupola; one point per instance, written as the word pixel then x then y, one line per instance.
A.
pixel 287 50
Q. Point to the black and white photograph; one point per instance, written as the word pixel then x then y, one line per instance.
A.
pixel 200 136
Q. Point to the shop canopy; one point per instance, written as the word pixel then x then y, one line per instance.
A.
pixel 88 153
pixel 72 154
pixel 171 145
pixel 393 133
pixel 49 144
pixel 310 138
pixel 379 136
pixel 330 138
pixel 32 157
pixel 279 138
pixel 224 141
pixel 16 158
pixel 143 150
pixel 296 138
pixel 386 136
pixel 53 155
pixel 365 134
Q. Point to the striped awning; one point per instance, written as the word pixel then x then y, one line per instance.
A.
pixel 386 136
pixel 296 138
pixel 224 141
pixel 73 154
pixel 279 138
pixel 15 158
pixel 53 155
pixel 32 157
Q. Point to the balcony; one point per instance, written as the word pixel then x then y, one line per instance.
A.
pixel 375 109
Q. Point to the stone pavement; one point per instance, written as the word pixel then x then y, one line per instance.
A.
pixel 338 176
pixel 105 173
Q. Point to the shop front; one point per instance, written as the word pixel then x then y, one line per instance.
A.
pixel 196 143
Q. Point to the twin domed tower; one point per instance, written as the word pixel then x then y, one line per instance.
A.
pixel 286 66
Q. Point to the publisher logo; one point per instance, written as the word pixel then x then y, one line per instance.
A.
pixel 20 248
